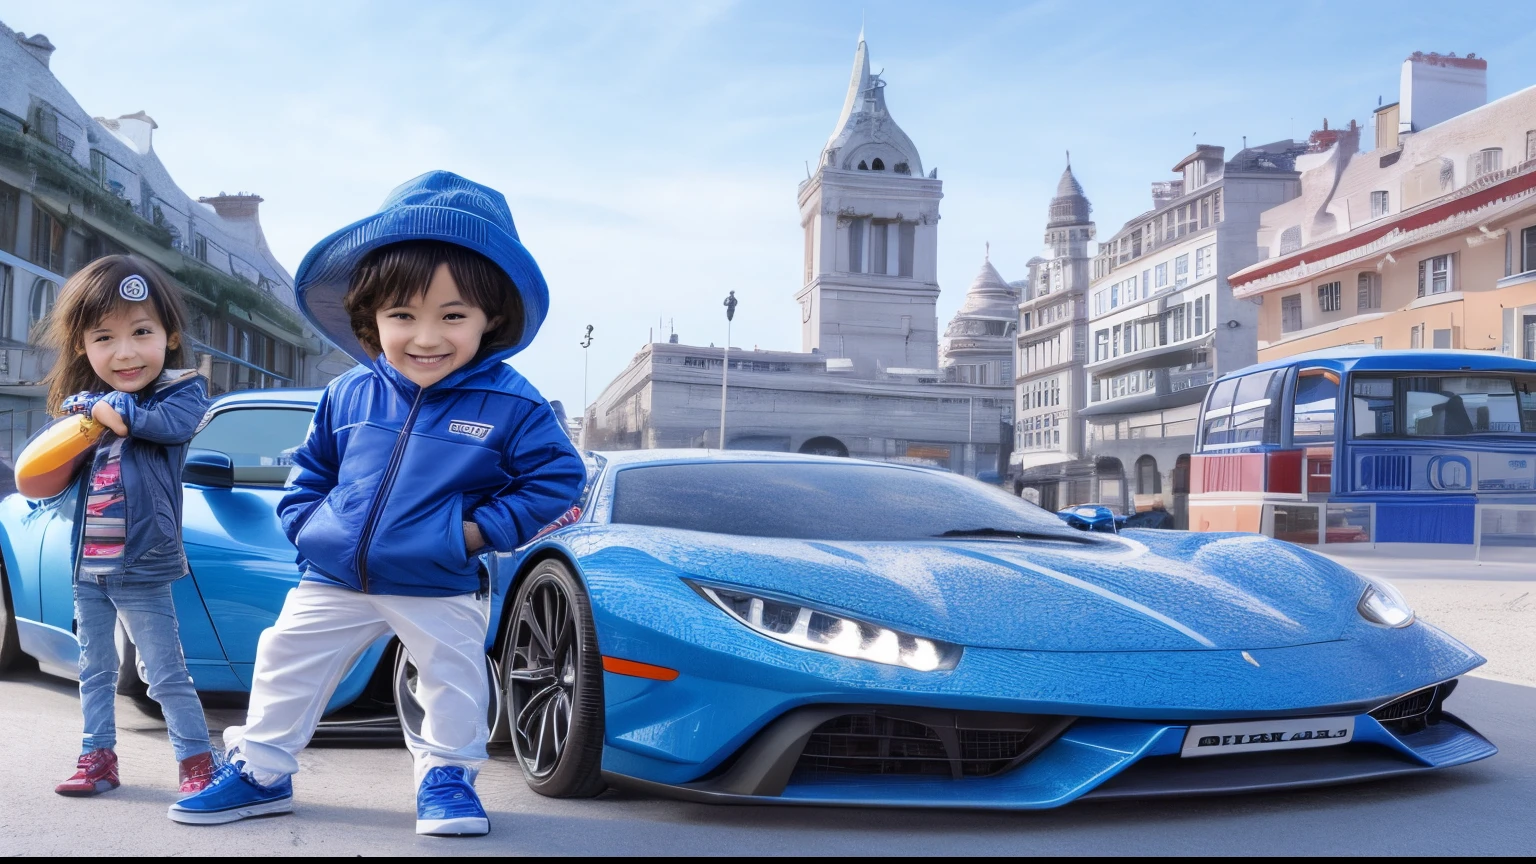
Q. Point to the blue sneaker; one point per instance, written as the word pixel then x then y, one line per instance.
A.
pixel 231 796
pixel 447 804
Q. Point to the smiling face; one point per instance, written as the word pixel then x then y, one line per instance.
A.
pixel 434 333
pixel 127 347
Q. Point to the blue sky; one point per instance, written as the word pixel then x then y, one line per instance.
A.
pixel 651 150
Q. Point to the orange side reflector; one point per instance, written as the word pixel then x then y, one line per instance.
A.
pixel 638 670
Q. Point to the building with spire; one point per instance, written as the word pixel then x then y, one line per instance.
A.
pixel 869 379
pixel 978 343
pixel 1051 343
pixel 73 188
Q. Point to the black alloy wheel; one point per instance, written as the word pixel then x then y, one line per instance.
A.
pixel 554 679
pixel 10 644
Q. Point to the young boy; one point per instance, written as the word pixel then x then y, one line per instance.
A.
pixel 429 452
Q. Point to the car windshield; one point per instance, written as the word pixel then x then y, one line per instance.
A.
pixel 819 501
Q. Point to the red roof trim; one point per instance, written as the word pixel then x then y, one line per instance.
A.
pixel 1405 222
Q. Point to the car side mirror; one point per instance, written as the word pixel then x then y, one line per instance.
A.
pixel 209 468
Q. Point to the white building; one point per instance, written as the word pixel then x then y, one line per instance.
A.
pixel 868 380
pixel 1048 458
pixel 74 188
pixel 1163 323
pixel 978 343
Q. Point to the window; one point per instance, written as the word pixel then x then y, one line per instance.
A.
pixel 856 231
pixel 879 250
pixel 10 213
pixel 1216 206
pixel 1442 338
pixel 1416 337
pixel 1205 260
pixel 1200 308
pixel 1368 291
pixel 258 441
pixel 1330 297
pixel 1376 343
pixel 1205 213
pixel 1381 204
pixel 907 236
pixel 1435 275
pixel 1162 275
pixel 1114 342
pixel 1101 345
pixel 1484 162
pixel 1435 406
pixel 1218 413
pixel 1290 313
pixel 1146 283
pixel 1255 415
pixel 1148 481
pixel 44 293
pixel 877 165
pixel 1527 250
pixel 1181 271
pixel 1317 396
pixel 47 240
pixel 200 247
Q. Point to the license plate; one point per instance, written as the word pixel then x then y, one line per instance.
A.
pixel 1221 739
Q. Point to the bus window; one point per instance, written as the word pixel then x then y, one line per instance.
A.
pixel 1255 408
pixel 1460 405
pixel 1218 413
pixel 1374 409
pixel 1317 396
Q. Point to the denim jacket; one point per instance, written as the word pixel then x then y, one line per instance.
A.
pixel 160 423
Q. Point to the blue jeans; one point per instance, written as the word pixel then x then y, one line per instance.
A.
pixel 150 617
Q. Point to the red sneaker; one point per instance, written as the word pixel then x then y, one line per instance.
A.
pixel 196 773
pixel 95 773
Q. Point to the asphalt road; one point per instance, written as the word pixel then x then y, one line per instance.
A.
pixel 358 800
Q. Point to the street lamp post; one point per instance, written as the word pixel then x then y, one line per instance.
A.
pixel 586 342
pixel 725 368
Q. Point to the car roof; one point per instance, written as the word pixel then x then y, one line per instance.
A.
pixel 305 396
pixel 1362 359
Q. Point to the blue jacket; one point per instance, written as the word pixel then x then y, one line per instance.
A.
pixel 160 423
pixel 389 472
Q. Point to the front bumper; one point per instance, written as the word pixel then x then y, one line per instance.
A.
pixel 1105 759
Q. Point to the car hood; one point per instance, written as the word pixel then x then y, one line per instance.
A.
pixel 1137 591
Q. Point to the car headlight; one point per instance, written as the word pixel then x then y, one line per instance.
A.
pixel 803 626
pixel 1382 604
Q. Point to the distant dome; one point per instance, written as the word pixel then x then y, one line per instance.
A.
pixel 1070 206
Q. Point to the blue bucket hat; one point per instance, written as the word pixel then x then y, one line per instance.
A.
pixel 438 205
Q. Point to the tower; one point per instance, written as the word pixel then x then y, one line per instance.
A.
pixel 870 217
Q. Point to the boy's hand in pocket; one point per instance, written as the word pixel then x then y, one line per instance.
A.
pixel 474 541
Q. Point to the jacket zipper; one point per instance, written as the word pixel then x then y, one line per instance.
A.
pixel 361 561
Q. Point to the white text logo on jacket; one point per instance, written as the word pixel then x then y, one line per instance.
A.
pixel 477 431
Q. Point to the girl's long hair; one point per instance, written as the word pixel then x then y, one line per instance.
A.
pixel 91 295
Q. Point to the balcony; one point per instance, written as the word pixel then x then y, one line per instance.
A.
pixel 1149 389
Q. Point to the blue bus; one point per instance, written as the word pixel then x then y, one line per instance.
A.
pixel 1408 451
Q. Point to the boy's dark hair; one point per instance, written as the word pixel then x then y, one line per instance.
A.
pixel 92 294
pixel 396 274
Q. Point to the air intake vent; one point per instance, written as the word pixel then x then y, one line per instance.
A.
pixel 1382 473
pixel 1410 713
pixel 926 743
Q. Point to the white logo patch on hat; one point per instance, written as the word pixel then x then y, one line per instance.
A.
pixel 477 431
pixel 133 288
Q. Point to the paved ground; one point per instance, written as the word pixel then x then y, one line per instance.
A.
pixel 1491 607
pixel 354 800
pixel 358 801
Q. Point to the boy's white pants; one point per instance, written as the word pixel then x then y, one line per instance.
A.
pixel 322 630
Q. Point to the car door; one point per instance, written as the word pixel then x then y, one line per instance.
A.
pixel 242 563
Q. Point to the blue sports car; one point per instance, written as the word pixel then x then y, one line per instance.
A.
pixel 780 628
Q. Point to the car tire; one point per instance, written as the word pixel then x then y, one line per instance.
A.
pixel 408 708
pixel 10 643
pixel 554 684
pixel 131 674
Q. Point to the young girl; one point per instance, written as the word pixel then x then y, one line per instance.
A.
pixel 117 326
